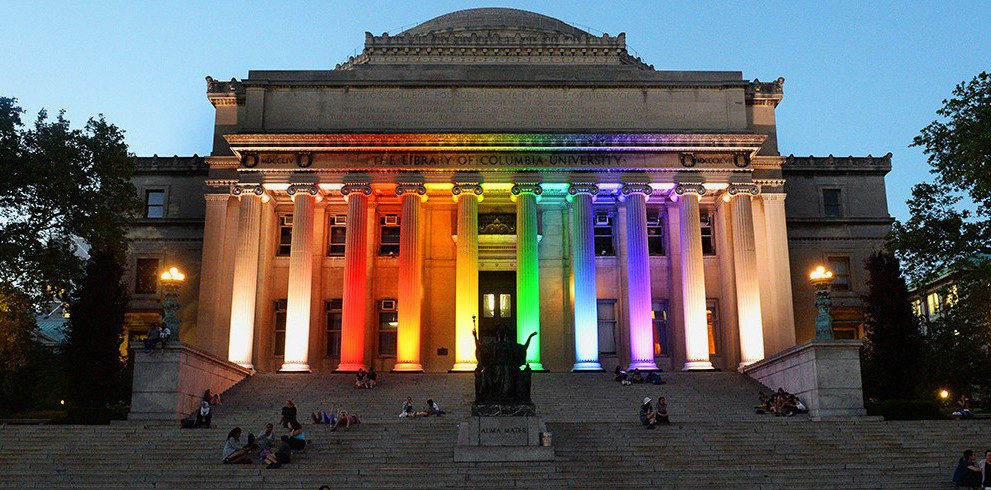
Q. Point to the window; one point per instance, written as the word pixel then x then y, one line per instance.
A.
pixel 712 319
pixel 504 307
pixel 389 235
pixel 846 330
pixel 155 203
pixel 708 238
pixel 603 235
pixel 146 276
pixel 659 314
pixel 831 207
pixel 388 324
pixel 338 235
pixel 285 235
pixel 840 266
pixel 934 304
pixel 280 328
pixel 607 326
pixel 655 232
pixel 334 313
pixel 917 308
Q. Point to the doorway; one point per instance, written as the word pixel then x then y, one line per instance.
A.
pixel 496 304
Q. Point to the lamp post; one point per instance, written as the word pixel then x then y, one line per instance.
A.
pixel 821 280
pixel 172 281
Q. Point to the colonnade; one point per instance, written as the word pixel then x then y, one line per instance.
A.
pixel 467 195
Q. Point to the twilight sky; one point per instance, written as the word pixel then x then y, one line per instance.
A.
pixel 861 77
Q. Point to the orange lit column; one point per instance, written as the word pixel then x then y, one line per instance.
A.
pixel 410 278
pixel 300 279
pixel 745 264
pixel 466 275
pixel 242 334
pixel 693 278
pixel 355 278
pixel 638 277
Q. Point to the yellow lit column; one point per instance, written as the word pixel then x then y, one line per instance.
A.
pixel 526 196
pixel 745 265
pixel 242 334
pixel 300 279
pixel 410 278
pixel 693 278
pixel 355 279
pixel 467 195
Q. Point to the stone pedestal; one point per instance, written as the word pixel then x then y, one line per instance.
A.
pixel 482 439
pixel 824 374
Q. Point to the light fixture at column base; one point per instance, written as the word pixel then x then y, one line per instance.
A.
pixel 350 367
pixel 294 367
pixel 698 366
pixel 464 367
pixel 408 367
pixel 593 366
pixel 644 365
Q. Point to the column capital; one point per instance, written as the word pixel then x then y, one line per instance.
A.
pixel 775 196
pixel 304 190
pixel 637 188
pixel 217 197
pixel 356 188
pixel 526 188
pixel 743 189
pixel 416 188
pixel 249 190
pixel 583 188
pixel 682 189
pixel 466 188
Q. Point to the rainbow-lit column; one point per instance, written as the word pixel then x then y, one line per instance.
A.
pixel 467 195
pixel 745 263
pixel 297 351
pixel 355 278
pixel 583 271
pixel 638 277
pixel 526 195
pixel 410 278
pixel 693 278
pixel 242 334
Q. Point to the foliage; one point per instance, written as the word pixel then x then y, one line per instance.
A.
pixel 16 348
pixel 96 328
pixel 893 344
pixel 906 409
pixel 63 189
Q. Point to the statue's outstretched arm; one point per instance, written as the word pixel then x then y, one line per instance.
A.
pixel 527 344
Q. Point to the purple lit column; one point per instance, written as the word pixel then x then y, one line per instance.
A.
pixel 638 277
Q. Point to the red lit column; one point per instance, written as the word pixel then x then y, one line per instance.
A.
pixel 355 279
pixel 410 278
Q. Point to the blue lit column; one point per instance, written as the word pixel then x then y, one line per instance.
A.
pixel 583 271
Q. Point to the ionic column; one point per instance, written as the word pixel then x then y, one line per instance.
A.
pixel 466 275
pixel 410 278
pixel 526 196
pixel 777 247
pixel 638 277
pixel 747 282
pixel 355 279
pixel 693 278
pixel 211 268
pixel 583 271
pixel 300 279
pixel 242 334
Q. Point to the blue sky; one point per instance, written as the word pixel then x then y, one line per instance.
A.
pixel 861 77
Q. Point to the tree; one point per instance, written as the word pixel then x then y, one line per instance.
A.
pixel 92 350
pixel 16 348
pixel 893 344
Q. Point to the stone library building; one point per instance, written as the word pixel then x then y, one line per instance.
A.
pixel 500 171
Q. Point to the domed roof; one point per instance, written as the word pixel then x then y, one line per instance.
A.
pixel 495 19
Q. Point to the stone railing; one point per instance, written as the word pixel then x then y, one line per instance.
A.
pixel 169 383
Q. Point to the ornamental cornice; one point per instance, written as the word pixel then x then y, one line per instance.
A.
pixel 682 189
pixel 637 188
pixel 217 197
pixel 411 188
pixel 528 188
pixel 356 188
pixel 740 189
pixel 467 188
pixel 583 188
pixel 765 93
pixel 870 163
pixel 745 144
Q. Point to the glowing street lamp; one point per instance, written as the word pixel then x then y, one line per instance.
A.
pixel 821 280
pixel 172 281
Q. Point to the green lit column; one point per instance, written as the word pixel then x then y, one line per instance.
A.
pixel 527 270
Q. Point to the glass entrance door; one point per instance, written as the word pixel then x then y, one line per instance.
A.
pixel 496 304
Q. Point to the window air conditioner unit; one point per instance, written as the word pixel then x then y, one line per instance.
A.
pixel 387 305
pixel 602 220
pixel 391 219
pixel 341 219
pixel 286 220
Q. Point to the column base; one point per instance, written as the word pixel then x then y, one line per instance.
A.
pixel 245 365
pixel 644 365
pixel 463 367
pixel 407 367
pixel 587 366
pixel 351 367
pixel 536 367
pixel 698 366
pixel 295 367
pixel 744 364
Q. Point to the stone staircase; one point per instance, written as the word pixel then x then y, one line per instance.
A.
pixel 715 441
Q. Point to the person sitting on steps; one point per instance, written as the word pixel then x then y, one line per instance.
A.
pixel 762 403
pixel 212 398
pixel 278 458
pixel 153 338
pixel 661 412
pixel 266 441
pixel 297 439
pixel 968 473
pixel 203 415
pixel 621 375
pixel 288 414
pixel 322 417
pixel 636 377
pixel 408 410
pixel 433 408
pixel 372 378
pixel 234 452
pixel 647 415
pixel 346 421
pixel 359 379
